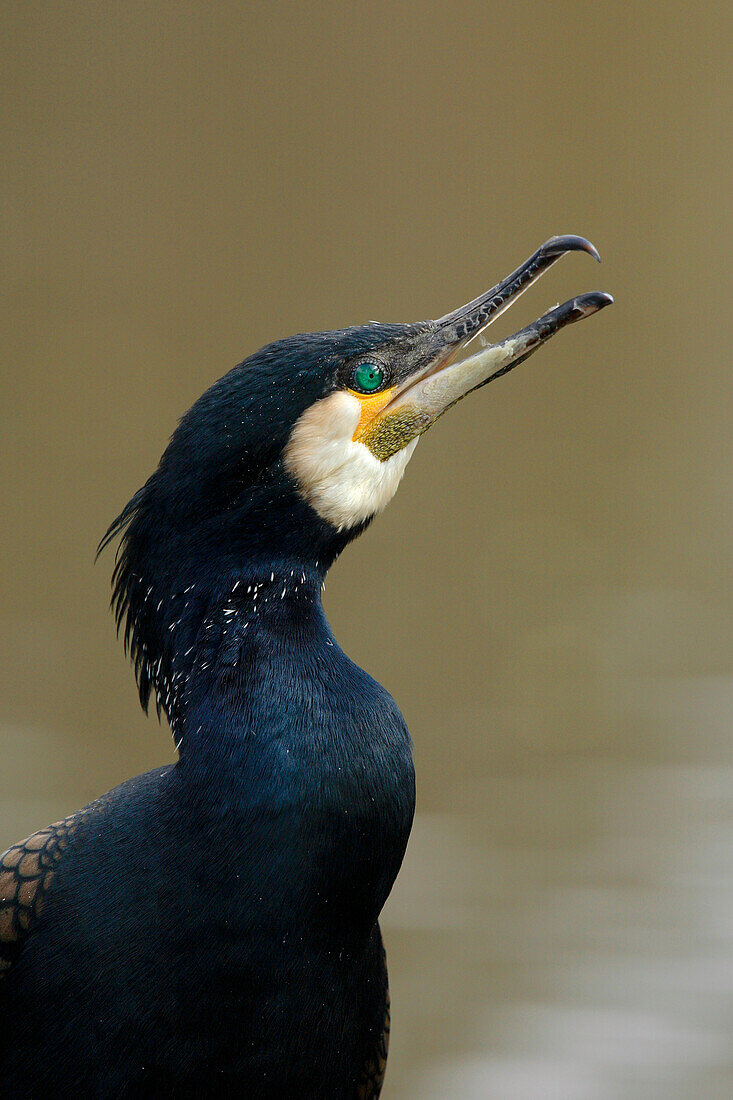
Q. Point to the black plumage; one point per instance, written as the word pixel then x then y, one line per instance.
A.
pixel 210 928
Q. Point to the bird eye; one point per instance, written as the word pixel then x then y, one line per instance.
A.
pixel 367 377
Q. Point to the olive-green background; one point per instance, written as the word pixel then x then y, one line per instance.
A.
pixel 549 596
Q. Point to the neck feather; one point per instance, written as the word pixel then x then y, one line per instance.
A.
pixel 182 636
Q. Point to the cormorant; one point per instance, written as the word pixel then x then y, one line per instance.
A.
pixel 210 929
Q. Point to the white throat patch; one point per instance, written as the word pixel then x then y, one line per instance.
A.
pixel 341 479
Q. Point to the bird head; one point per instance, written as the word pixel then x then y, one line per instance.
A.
pixel 347 451
pixel 291 454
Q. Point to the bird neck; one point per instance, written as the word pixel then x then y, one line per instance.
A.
pixel 292 759
pixel 242 648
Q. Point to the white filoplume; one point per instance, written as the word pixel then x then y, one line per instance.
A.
pixel 338 476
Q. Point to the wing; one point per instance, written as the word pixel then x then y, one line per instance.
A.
pixel 26 873
pixel 372 1076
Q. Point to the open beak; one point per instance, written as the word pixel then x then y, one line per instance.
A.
pixel 425 394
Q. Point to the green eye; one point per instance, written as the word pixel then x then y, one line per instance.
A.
pixel 368 377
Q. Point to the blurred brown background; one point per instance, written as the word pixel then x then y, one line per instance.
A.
pixel 548 597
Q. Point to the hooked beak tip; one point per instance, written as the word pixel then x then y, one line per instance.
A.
pixel 595 300
pixel 568 242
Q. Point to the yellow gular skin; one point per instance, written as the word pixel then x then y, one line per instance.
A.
pixel 371 406
pixel 386 432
